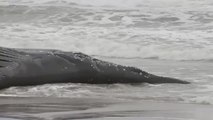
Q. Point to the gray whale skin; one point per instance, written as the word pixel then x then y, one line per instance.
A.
pixel 25 67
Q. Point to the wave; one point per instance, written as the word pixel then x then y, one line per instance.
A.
pixel 153 58
pixel 117 3
pixel 117 43
pixel 165 93
pixel 172 32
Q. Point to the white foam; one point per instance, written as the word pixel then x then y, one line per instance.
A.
pixel 166 29
pixel 113 42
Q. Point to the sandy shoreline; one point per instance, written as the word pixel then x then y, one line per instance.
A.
pixel 46 108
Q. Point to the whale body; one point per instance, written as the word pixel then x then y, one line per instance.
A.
pixel 25 67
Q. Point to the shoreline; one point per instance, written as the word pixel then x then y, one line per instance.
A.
pixel 49 108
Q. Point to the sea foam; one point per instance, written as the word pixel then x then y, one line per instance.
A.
pixel 171 30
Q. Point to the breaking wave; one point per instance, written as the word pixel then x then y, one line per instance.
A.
pixel 169 29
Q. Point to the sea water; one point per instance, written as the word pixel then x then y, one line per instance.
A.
pixel 171 38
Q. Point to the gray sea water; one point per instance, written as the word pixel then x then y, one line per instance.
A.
pixel 166 37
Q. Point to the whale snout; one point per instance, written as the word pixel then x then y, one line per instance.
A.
pixel 174 80
pixel 158 79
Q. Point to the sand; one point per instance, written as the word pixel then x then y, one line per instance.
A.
pixel 47 108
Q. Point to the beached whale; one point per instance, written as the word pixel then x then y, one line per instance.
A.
pixel 23 67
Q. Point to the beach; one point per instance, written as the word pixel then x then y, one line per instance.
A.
pixel 49 108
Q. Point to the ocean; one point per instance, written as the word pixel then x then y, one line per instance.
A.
pixel 171 38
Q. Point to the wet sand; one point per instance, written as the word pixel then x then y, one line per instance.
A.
pixel 47 108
